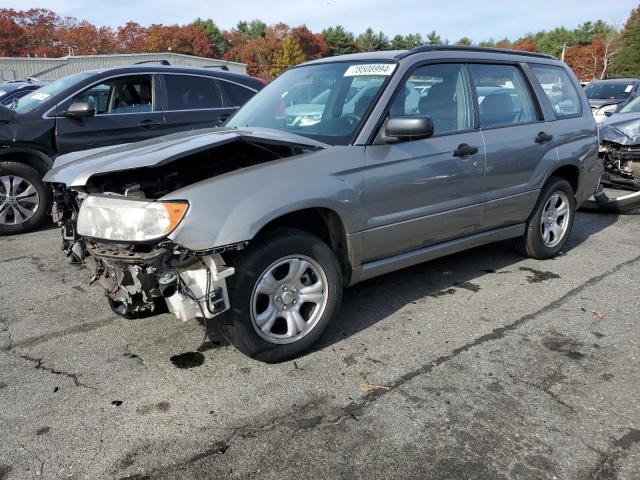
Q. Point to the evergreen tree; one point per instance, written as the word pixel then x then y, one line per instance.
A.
pixel 339 40
pixel 627 60
pixel 214 33
pixel 369 41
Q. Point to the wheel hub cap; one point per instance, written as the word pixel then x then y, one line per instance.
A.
pixel 554 220
pixel 289 299
pixel 19 200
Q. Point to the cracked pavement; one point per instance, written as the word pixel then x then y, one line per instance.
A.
pixel 481 365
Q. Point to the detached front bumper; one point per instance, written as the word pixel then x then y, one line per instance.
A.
pixel 160 279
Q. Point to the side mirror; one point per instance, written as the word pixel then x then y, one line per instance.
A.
pixel 80 110
pixel 409 126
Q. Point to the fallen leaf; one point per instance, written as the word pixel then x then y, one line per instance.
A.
pixel 367 388
pixel 598 314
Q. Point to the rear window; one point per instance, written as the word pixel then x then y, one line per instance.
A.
pixel 188 92
pixel 235 95
pixel 559 89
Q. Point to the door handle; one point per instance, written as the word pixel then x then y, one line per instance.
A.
pixel 543 137
pixel 464 150
pixel 148 124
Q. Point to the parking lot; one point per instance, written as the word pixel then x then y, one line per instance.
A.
pixel 481 365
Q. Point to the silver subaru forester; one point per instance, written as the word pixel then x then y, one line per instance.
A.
pixel 340 170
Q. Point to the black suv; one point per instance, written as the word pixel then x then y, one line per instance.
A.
pixel 99 108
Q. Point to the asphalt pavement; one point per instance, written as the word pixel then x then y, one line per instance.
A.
pixel 481 365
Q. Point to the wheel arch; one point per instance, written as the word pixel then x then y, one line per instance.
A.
pixel 569 172
pixel 29 156
pixel 322 222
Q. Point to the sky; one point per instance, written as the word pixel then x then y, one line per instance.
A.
pixel 477 19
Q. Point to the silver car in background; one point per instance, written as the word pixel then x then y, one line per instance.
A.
pixel 266 219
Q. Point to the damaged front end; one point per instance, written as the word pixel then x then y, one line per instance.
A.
pixel 163 279
pixel 115 216
pixel 620 151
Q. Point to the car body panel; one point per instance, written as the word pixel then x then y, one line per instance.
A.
pixel 410 185
pixel 76 168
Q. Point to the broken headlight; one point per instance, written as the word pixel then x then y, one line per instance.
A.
pixel 121 219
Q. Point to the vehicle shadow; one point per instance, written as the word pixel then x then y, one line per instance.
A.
pixel 368 303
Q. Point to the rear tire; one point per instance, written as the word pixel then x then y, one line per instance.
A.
pixel 286 291
pixel 549 225
pixel 31 198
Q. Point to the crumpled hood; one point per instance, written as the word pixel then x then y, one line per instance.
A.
pixel 75 169
pixel 601 102
pixel 622 128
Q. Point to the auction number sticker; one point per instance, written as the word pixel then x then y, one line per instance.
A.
pixel 384 69
pixel 40 96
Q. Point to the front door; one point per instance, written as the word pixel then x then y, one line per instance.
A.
pixel 421 192
pixel 126 111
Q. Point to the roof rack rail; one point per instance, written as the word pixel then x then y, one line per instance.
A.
pixel 221 67
pixel 463 48
pixel 161 62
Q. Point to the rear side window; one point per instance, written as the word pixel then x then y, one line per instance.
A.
pixel 188 92
pixel 503 96
pixel 559 90
pixel 235 95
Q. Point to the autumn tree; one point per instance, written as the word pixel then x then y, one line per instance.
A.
pixel 313 45
pixel 216 38
pixel 12 36
pixel 288 55
pixel 131 38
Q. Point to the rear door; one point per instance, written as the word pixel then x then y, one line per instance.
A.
pixel 191 102
pixel 234 96
pixel 127 110
pixel 519 144
pixel 422 192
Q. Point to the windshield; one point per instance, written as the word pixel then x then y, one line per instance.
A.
pixel 608 90
pixel 342 95
pixel 632 106
pixel 38 97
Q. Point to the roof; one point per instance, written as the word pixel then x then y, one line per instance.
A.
pixel 400 54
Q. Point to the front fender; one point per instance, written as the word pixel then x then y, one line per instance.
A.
pixel 43 162
pixel 235 206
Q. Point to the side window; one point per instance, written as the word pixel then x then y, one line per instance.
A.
pixel 120 95
pixel 503 96
pixel 189 92
pixel 441 92
pixel 235 95
pixel 559 89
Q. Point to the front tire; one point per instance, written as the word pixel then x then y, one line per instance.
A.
pixel 286 290
pixel 550 223
pixel 24 198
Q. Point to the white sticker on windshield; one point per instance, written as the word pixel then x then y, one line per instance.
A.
pixel 2 92
pixel 385 69
pixel 628 89
pixel 40 96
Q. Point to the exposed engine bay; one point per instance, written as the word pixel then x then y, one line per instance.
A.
pixel 145 278
pixel 620 154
